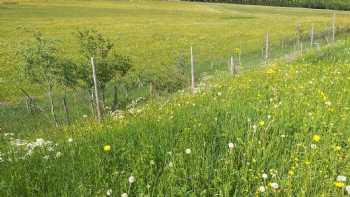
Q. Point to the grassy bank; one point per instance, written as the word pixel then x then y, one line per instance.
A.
pixel 280 131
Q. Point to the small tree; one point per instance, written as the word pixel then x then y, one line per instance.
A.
pixel 41 65
pixel 109 64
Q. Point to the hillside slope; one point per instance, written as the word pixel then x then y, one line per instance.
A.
pixel 282 130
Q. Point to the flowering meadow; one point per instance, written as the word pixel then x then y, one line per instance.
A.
pixel 278 131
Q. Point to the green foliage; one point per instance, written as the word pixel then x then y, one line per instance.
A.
pixel 43 65
pixel 109 64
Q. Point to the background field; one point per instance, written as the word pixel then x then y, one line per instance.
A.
pixel 153 33
pixel 319 4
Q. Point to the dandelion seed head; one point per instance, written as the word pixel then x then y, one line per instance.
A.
pixel 262 189
pixel 131 179
pixel 109 192
pixel 124 195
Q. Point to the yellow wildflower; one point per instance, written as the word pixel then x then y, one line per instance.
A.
pixel 316 138
pixel 261 123
pixel 290 173
pixel 107 148
pixel 338 148
pixel 339 184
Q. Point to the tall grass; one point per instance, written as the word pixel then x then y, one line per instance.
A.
pixel 278 131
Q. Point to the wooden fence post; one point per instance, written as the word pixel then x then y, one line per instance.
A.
pixel 192 72
pixel 312 34
pixel 267 49
pixel 333 27
pixel 96 89
pixel 231 65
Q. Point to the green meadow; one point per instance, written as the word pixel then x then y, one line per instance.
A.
pixel 154 33
pixel 280 129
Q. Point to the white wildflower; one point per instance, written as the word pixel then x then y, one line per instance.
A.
pixel 70 140
pixel 274 185
pixel 264 176
pixel 313 146
pixel 262 189
pixel 124 195
pixel 58 154
pixel 341 178
pixel 188 151
pixel 347 189
pixel 109 192
pixel 131 179
pixel 231 145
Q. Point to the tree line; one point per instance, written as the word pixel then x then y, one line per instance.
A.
pixel 318 4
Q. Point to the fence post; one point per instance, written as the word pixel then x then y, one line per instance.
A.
pixel 312 34
pixel 96 89
pixel 333 27
pixel 192 72
pixel 267 49
pixel 231 65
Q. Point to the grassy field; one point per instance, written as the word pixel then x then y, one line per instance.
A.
pixel 153 33
pixel 278 131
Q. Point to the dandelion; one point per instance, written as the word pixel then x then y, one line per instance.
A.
pixel 109 192
pixel 337 148
pixel 274 185
pixel 231 145
pixel 339 184
pixel 58 155
pixel 290 173
pixel 264 176
pixel 347 189
pixel 124 195
pixel 316 138
pixel 188 151
pixel 107 148
pixel 341 178
pixel 131 179
pixel 262 189
pixel 219 93
pixel 261 123
pixel 70 140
